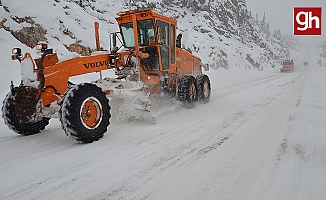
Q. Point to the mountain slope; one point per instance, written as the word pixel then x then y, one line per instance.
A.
pixel 222 33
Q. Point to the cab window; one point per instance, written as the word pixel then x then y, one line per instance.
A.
pixel 145 32
pixel 127 31
pixel 163 33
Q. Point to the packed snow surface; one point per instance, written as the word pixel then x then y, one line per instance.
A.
pixel 261 136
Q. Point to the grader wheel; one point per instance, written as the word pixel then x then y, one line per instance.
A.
pixel 187 91
pixel 204 88
pixel 85 113
pixel 14 118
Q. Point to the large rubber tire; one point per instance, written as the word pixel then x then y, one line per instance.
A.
pixel 204 88
pixel 85 113
pixel 12 120
pixel 187 91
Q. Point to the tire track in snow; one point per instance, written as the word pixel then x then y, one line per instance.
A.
pixel 165 163
pixel 262 133
pixel 229 90
pixel 188 153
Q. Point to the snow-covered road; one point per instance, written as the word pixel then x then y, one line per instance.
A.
pixel 261 136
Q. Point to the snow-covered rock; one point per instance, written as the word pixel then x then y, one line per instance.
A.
pixel 222 33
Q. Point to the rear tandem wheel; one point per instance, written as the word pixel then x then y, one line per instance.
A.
pixel 187 91
pixel 204 88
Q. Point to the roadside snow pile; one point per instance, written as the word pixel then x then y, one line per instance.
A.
pixel 123 111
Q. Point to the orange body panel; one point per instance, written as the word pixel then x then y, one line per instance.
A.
pixel 48 96
pixel 187 63
pixel 97 37
pixel 50 59
pixel 151 80
pixel 57 75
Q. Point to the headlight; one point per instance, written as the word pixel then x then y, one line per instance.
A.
pixel 41 46
pixel 17 51
pixel 16 54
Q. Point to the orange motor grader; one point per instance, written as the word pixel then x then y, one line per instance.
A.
pixel 150 61
pixel 287 66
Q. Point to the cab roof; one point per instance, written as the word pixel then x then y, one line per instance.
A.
pixel 143 13
pixel 138 10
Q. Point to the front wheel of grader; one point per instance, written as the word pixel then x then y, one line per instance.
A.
pixel 85 113
pixel 17 111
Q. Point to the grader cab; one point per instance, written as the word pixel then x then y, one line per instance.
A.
pixel 150 63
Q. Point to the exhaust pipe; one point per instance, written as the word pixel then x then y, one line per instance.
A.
pixel 97 37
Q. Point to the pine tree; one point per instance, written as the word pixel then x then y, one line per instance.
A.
pixel 320 62
pixel 323 50
pixel 263 24
pixel 277 34
pixel 267 32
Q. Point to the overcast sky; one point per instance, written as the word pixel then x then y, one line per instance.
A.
pixel 279 14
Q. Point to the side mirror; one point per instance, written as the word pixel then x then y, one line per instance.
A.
pixel 114 39
pixel 178 43
pixel 113 46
